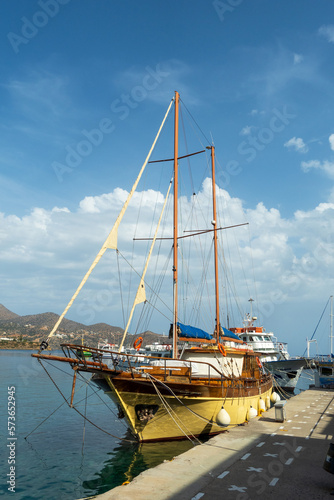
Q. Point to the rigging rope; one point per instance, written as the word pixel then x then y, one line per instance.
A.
pixel 170 411
pixel 179 400
pixel 79 412
pixel 323 312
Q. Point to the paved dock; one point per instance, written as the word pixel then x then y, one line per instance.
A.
pixel 263 458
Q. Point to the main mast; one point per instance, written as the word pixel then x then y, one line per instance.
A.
pixel 175 223
pixel 331 326
pixel 215 242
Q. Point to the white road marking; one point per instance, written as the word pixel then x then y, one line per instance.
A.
pixel 260 444
pixel 245 456
pixel 274 481
pixel 254 469
pixel 221 476
pixel 238 488
pixel 289 461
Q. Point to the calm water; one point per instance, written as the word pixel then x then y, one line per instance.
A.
pixel 65 458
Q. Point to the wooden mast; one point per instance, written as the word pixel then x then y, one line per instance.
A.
pixel 175 223
pixel 215 241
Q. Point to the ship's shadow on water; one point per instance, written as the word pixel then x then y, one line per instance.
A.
pixel 128 460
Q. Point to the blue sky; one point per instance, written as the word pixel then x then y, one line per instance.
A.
pixel 258 78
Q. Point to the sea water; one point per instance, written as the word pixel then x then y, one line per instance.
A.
pixel 49 450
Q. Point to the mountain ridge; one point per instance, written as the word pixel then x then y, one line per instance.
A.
pixel 38 326
pixel 49 319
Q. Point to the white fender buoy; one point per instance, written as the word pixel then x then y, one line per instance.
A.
pixel 274 397
pixel 262 406
pixel 223 418
pixel 267 402
pixel 251 413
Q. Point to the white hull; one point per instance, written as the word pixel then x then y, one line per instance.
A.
pixel 286 372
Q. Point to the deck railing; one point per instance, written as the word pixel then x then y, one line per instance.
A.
pixel 94 359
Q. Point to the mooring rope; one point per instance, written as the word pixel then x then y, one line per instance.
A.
pixel 83 416
pixel 179 400
pixel 170 411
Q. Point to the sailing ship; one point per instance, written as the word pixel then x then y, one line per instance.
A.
pixel 324 373
pixel 208 381
pixel 273 354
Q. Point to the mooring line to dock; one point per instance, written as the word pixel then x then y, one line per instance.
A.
pixel 83 416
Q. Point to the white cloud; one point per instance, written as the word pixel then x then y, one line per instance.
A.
pixel 325 166
pixel 45 254
pixel 40 93
pixel 328 32
pixel 297 58
pixel 331 141
pixel 297 144
pixel 247 130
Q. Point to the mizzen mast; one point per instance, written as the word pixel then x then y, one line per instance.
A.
pixel 215 241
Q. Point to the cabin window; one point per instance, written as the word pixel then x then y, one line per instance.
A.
pixel 326 371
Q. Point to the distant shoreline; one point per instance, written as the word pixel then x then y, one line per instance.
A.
pixel 19 348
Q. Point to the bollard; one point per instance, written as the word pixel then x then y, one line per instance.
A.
pixel 280 411
pixel 329 460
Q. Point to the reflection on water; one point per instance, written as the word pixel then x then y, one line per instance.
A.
pixel 128 460
pixel 66 458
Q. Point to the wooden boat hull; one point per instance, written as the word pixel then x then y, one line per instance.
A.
pixel 172 410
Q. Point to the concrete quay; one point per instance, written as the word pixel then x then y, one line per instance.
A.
pixel 263 458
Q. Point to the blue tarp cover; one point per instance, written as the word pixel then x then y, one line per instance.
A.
pixel 228 333
pixel 193 332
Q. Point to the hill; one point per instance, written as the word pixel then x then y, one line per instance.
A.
pixel 6 314
pixel 36 327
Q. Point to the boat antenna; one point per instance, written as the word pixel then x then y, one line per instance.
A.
pixel 251 307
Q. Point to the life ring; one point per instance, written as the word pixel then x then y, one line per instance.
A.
pixel 281 347
pixel 222 349
pixel 259 364
pixel 137 343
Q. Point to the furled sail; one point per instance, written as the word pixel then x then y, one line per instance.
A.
pixel 227 334
pixel 192 332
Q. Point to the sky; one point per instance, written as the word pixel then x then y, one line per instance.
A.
pixel 84 86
